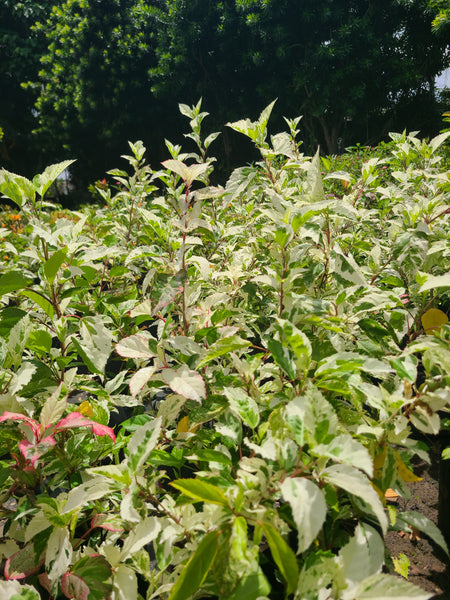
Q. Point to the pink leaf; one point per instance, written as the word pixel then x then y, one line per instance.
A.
pixel 76 419
pixel 34 425
pixel 45 581
pixel 73 586
pixel 107 522
pixel 32 452
pixel 23 563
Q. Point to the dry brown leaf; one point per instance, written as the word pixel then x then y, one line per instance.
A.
pixel 390 495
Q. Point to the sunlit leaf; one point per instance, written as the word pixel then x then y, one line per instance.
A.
pixel 200 491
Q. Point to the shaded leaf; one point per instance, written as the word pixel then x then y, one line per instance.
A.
pixel 283 556
pixel 194 573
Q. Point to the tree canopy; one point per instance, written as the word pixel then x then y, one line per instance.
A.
pixel 94 88
pixel 347 67
pixel 21 48
pixel 101 73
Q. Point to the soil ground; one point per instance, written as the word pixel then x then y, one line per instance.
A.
pixel 429 566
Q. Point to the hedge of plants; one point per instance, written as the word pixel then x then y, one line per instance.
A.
pixel 210 392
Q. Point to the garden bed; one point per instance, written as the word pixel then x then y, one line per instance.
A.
pixel 429 566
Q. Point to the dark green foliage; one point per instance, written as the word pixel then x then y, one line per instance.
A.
pixel 100 73
pixel 20 50
pixel 93 80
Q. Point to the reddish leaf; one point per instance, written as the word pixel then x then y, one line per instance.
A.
pixel 73 586
pixel 32 452
pixel 45 581
pixel 107 522
pixel 76 419
pixel 22 563
pixel 34 425
pixel 90 576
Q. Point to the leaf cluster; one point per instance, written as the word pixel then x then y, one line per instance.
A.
pixel 271 355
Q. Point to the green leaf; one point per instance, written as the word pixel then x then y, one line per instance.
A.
pixel 243 405
pixel 74 586
pixel 223 346
pixel 194 573
pixel 41 301
pixel 13 590
pixel 52 265
pixel 23 563
pixel 17 188
pixel 282 357
pixel 13 281
pixel 423 524
pixel 43 181
pixel 283 556
pixel 200 491
pixel 308 506
pixel 388 587
pixel 401 565
pixel 206 455
pixel 405 367
pixel 39 341
pixel 354 482
pixel 297 342
pixel 251 587
pixel 92 573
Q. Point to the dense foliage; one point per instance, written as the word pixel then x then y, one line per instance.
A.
pixel 207 391
pixel 99 73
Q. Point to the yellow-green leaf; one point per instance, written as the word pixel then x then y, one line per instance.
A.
pixel 433 319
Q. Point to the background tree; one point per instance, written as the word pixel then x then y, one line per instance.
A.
pixel 20 51
pixel 441 11
pixel 94 89
pixel 115 70
pixel 347 66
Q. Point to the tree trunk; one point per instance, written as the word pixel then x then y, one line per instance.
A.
pixel 331 136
